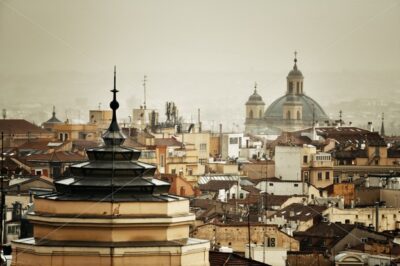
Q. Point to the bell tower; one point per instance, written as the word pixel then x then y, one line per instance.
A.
pixel 295 80
pixel 255 106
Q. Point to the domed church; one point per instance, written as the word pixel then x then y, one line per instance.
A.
pixel 291 112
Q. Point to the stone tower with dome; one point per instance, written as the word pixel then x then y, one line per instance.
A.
pixel 293 111
pixel 254 111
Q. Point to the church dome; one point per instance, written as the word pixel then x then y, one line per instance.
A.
pixel 255 99
pixel 295 73
pixel 53 119
pixel 310 108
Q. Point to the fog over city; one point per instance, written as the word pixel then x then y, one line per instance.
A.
pixel 199 54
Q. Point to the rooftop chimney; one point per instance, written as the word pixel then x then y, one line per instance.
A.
pixel 370 127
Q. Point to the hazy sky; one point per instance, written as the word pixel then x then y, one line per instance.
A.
pixel 200 54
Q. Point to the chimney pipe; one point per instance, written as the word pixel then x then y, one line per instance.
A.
pixel 370 127
pixel 198 119
pixel 220 139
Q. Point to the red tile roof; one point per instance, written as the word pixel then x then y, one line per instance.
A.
pixel 19 126
pixel 39 144
pixel 216 185
pixel 59 156
pixel 167 142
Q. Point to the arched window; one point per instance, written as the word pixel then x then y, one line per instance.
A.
pixel 290 87
pixel 251 114
pixel 298 115
pixel 260 114
pixel 288 115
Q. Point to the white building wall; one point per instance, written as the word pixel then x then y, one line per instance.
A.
pixel 281 188
pixel 269 255
pixel 288 162
pixel 388 219
pixel 231 144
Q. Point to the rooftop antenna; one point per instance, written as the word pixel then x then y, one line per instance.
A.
pixel 144 90
pixel 4 113
pixel 340 117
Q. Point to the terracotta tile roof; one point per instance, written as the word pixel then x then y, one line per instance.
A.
pixel 39 144
pixel 84 144
pixel 219 259
pixel 275 200
pixel 216 185
pixel 251 189
pixel 59 156
pixel 167 142
pixel 19 126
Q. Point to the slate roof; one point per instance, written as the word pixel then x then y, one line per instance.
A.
pixel 320 232
pixel 300 212
pixel 351 135
pixel 352 154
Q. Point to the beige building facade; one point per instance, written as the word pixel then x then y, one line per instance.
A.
pixel 235 236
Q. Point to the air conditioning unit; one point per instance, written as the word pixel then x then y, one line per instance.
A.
pixel 271 242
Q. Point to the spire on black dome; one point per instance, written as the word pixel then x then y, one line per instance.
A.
pixel 114 136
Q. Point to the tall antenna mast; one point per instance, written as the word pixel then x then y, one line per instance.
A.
pixel 144 90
